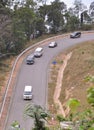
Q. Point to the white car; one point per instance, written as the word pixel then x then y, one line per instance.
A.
pixel 52 44
pixel 27 94
pixel 38 52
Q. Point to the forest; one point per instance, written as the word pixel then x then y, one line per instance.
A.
pixel 21 21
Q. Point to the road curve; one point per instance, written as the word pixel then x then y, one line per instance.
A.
pixel 36 75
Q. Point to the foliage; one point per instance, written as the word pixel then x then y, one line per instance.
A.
pixel 38 114
pixel 91 9
pixel 3 3
pixel 86 27
pixel 86 119
pixel 73 23
pixel 73 104
pixel 60 118
pixel 55 15
pixel 89 78
pixel 78 7
pixel 40 26
pixel 15 125
pixel 5 29
pixel 27 18
pixel 90 95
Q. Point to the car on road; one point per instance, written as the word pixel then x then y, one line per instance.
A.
pixel 30 59
pixel 38 52
pixel 75 35
pixel 27 94
pixel 52 44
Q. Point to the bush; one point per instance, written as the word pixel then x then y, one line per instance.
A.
pixel 60 118
pixel 86 27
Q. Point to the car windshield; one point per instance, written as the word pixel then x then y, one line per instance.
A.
pixel 38 49
pixel 27 93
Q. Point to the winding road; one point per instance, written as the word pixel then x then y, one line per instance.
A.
pixel 36 75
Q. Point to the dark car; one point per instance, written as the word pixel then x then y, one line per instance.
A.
pixel 30 59
pixel 52 44
pixel 75 35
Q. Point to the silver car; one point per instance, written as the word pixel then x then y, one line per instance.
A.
pixel 75 35
pixel 30 59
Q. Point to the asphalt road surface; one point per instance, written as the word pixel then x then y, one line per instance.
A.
pixel 36 76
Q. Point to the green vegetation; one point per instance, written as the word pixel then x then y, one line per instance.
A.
pixel 38 114
pixel 15 125
pixel 90 96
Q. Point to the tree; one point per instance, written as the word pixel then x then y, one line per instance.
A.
pixel 91 10
pixel 73 23
pixel 39 26
pixel 22 24
pixel 18 33
pixel 5 29
pixel 25 17
pixel 55 15
pixel 43 11
pixel 3 3
pixel 38 114
pixel 79 7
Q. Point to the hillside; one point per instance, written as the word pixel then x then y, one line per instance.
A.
pixel 80 65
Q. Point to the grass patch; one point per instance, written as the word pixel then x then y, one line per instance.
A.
pixel 51 89
pixel 52 83
pixel 79 66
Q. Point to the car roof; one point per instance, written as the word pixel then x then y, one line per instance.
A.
pixel 30 56
pixel 39 49
pixel 53 42
pixel 74 33
pixel 28 88
pixel 77 32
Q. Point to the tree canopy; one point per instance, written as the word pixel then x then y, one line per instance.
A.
pixel 21 19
